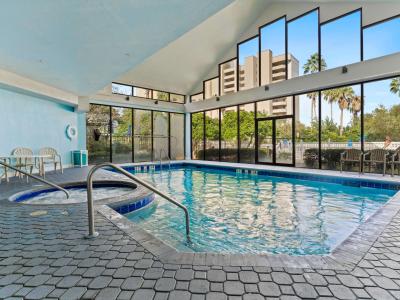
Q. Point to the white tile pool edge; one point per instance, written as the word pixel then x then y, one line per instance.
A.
pixel 345 256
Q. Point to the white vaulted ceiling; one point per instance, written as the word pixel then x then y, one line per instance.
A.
pixel 82 45
pixel 183 63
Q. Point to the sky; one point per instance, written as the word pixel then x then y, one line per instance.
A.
pixel 340 45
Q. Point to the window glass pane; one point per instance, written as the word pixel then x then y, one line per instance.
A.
pixel 211 88
pixel 382 39
pixel 228 77
pixel 303 45
pixel 98 133
pixel 247 133
pixel 163 96
pixel 140 92
pixel 198 135
pixel 160 134
pixel 212 135
pixel 121 135
pixel 340 41
pixel 121 89
pixel 340 124
pixel 273 52
pixel 307 130
pixel 142 138
pixel 177 136
pixel 177 98
pixel 248 64
pixel 196 97
pixel 382 116
pixel 229 132
pixel 275 107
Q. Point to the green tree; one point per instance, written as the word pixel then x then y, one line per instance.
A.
pixel 343 96
pixel 312 66
pixel 395 86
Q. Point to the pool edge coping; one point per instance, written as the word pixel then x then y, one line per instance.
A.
pixel 343 257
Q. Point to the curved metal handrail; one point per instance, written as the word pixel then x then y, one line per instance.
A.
pixel 36 177
pixel 92 232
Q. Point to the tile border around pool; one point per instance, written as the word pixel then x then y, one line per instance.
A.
pixel 344 257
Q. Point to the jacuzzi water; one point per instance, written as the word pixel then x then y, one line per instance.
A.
pixel 237 213
pixel 77 195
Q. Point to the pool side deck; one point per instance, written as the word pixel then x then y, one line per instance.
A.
pixel 46 256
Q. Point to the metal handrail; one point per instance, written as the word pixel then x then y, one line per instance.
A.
pixel 169 159
pixel 92 232
pixel 36 177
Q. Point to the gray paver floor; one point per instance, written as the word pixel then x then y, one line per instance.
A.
pixel 47 257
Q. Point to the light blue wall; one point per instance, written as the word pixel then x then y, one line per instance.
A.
pixel 29 121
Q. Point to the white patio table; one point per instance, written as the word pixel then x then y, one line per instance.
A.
pixel 39 161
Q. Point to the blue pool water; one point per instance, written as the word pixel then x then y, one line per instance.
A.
pixel 242 213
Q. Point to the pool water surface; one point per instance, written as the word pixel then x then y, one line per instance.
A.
pixel 242 213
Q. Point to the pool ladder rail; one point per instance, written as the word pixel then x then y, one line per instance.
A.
pixel 92 232
pixel 42 180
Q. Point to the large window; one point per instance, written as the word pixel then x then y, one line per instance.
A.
pixel 98 133
pixel 247 133
pixel 211 88
pixel 229 134
pixel 227 73
pixel 307 130
pixel 177 132
pixel 340 123
pixel 129 90
pixel 160 135
pixel 303 57
pixel 275 107
pixel 273 51
pixel 121 135
pixel 212 134
pixel 142 93
pixel 142 135
pixel 121 89
pixel 197 97
pixel 177 98
pixel 341 40
pixel 198 135
pixel 382 38
pixel 382 114
pixel 248 64
pixel 158 95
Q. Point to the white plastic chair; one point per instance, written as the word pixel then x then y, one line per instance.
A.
pixel 25 161
pixel 54 157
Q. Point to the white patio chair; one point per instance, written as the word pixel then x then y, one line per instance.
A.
pixel 54 157
pixel 26 162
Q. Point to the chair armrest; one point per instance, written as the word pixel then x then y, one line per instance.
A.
pixel 58 156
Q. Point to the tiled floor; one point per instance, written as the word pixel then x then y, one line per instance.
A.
pixel 47 257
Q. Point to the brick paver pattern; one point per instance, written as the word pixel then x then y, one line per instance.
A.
pixel 47 257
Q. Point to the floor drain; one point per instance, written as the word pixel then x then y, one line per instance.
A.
pixel 38 213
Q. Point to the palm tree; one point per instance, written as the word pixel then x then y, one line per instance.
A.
pixel 312 66
pixel 344 97
pixel 395 86
pixel 355 106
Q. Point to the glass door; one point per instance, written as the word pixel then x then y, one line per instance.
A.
pixel 275 140
pixel 283 141
pixel 265 142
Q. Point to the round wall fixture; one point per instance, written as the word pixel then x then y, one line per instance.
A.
pixel 71 132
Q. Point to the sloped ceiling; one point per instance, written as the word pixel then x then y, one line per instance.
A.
pixel 80 46
pixel 180 66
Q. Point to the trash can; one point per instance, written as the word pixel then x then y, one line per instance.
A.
pixel 80 158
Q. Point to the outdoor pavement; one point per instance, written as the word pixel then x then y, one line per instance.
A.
pixel 46 256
